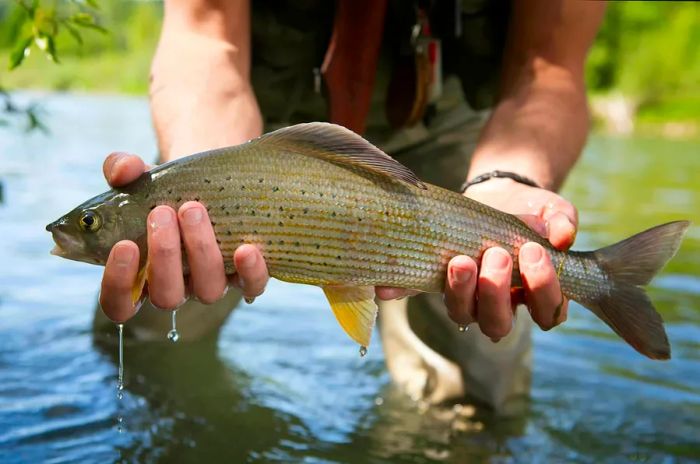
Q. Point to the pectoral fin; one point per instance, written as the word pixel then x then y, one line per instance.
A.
pixel 140 282
pixel 355 309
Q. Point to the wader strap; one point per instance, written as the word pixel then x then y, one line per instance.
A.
pixel 350 64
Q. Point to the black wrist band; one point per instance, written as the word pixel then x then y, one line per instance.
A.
pixel 504 174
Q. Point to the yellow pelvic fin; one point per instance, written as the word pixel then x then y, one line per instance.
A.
pixel 140 282
pixel 355 309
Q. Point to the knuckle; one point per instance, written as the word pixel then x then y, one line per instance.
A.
pixel 165 250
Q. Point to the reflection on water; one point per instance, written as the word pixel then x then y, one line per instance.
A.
pixel 282 383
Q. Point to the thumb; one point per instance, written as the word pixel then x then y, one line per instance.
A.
pixel 122 168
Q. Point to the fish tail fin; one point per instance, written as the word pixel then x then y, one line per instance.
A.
pixel 629 264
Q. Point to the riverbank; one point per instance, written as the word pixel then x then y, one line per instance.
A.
pixel 675 117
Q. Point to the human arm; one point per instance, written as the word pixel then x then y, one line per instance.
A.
pixel 537 130
pixel 201 98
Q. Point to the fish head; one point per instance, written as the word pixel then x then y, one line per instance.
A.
pixel 88 232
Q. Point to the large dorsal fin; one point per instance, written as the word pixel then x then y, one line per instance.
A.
pixel 336 143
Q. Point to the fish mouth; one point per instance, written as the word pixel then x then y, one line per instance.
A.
pixel 58 251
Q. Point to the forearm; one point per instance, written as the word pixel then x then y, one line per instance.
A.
pixel 540 124
pixel 201 97
pixel 538 130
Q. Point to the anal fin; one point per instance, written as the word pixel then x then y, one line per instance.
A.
pixel 139 283
pixel 355 309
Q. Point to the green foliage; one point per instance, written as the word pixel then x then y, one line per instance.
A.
pixel 648 51
pixel 38 23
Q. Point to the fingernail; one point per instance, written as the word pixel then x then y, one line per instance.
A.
pixel 461 276
pixel 117 160
pixel 495 339
pixel 497 259
pixel 248 261
pixel 531 254
pixel 160 217
pixel 192 216
pixel 123 255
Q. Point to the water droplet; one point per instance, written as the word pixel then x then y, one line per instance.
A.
pixel 120 377
pixel 120 395
pixel 363 351
pixel 379 401
pixel 462 327
pixel 249 299
pixel 173 335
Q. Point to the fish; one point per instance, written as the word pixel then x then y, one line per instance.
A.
pixel 327 208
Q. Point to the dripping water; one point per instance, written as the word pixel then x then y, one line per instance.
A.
pixel 173 335
pixel 363 351
pixel 120 375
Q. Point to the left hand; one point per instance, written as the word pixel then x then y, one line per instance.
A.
pixel 547 213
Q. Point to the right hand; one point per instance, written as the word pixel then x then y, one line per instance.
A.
pixel 166 284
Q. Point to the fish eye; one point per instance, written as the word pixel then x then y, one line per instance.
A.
pixel 90 221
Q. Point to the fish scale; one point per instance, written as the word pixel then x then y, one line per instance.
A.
pixel 325 207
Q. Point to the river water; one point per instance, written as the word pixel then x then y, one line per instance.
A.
pixel 282 383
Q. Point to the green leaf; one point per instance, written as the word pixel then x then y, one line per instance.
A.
pixel 93 3
pixel 87 21
pixel 51 49
pixel 20 52
pixel 74 32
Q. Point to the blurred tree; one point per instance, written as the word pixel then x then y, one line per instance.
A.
pixel 36 24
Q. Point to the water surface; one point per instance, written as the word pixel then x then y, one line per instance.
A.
pixel 282 382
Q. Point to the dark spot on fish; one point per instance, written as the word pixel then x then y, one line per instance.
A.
pixel 386 213
pixel 228 177
pixel 275 189
pixel 213 223
pixel 289 260
pixel 255 232
pixel 306 210
pixel 338 257
pixel 281 209
pixel 318 245
pixel 207 181
pixel 260 181
pixel 223 207
pixel 252 212
pixel 333 214
pixel 148 195
pixel 333 196
pixel 228 232
pixel 221 189
pixel 281 242
pixel 240 223
pixel 237 206
pixel 291 216
pixel 242 187
pixel 359 219
pixel 297 244
pixel 303 192
pixel 208 208
pixel 228 213
pixel 196 198
pixel 280 224
pixel 170 191
pixel 242 241
pixel 320 194
pixel 178 199
pixel 269 242
pixel 269 214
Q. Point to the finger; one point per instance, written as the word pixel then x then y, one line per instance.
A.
pixel 493 306
pixel 460 290
pixel 562 232
pixel 166 286
pixel 122 168
pixel 548 306
pixel 118 279
pixel 535 223
pixel 207 274
pixel 393 293
pixel 251 271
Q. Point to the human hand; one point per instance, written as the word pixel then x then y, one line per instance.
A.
pixel 547 213
pixel 167 288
